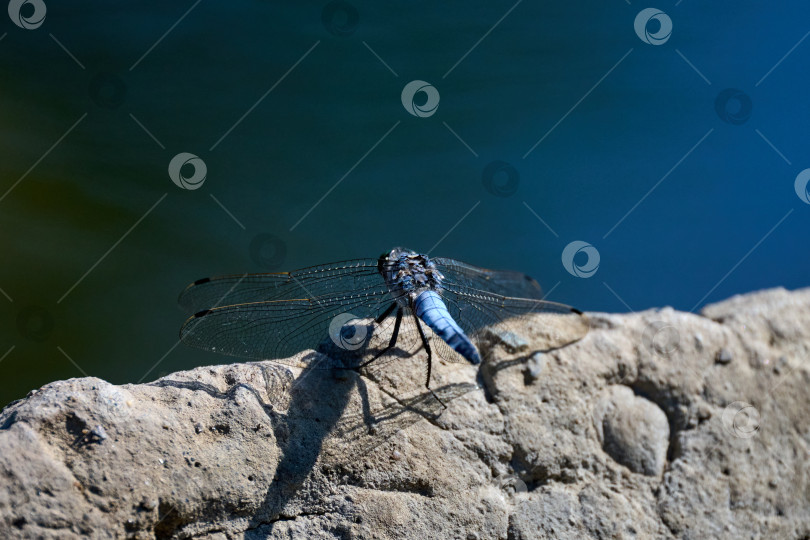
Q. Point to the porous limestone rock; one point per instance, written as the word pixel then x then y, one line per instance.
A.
pixel 658 424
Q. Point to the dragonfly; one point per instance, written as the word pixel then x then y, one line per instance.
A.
pixel 365 311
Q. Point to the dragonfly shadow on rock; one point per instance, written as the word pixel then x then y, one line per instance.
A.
pixel 335 419
pixel 319 418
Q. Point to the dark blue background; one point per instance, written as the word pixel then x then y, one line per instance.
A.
pixel 120 322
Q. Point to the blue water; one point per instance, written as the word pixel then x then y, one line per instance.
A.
pixel 625 125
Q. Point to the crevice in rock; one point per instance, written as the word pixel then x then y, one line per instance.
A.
pixel 282 518
pixel 349 477
pixel 672 531
pixel 8 422
pixel 170 521
pixel 74 425
pixel 510 527
pixel 293 518
pixel 535 476
pixel 223 429
pixel 658 493
pixel 81 486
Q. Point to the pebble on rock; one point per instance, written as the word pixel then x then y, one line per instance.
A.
pixel 723 356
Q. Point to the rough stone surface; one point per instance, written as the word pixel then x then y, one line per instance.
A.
pixel 633 431
pixel 636 431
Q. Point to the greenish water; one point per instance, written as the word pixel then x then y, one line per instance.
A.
pixel 282 107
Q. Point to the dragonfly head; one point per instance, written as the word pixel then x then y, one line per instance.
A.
pixel 405 270
pixel 391 260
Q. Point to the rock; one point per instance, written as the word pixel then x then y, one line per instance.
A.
pixel 723 356
pixel 512 342
pixel 535 366
pixel 633 432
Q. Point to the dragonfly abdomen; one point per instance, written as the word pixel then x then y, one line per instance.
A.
pixel 431 309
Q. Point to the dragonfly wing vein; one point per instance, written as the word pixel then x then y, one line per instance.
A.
pixel 502 282
pixel 325 280
pixel 278 329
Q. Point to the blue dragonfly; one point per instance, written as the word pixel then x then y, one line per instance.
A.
pixel 365 311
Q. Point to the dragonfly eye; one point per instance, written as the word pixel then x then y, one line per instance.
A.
pixel 382 262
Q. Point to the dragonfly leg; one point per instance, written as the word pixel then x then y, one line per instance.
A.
pixel 386 313
pixel 394 334
pixel 430 356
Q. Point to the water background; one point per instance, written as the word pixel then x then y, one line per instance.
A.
pixel 625 125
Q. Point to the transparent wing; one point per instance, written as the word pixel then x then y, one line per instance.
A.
pixel 502 282
pixel 279 329
pixel 551 324
pixel 332 280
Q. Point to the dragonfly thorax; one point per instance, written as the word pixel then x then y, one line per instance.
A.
pixel 408 272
